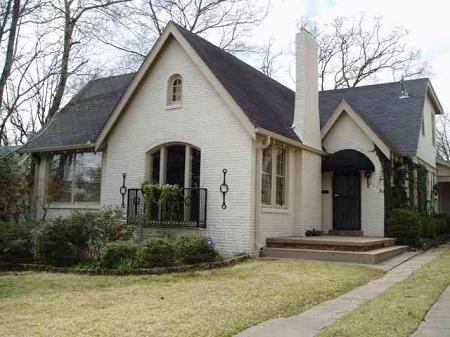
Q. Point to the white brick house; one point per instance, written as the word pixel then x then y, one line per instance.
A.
pixel 192 110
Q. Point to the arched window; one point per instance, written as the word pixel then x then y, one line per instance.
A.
pixel 174 91
pixel 175 164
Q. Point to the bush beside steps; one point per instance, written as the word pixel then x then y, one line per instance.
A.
pixel 416 230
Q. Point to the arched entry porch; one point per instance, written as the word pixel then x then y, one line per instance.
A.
pixel 348 168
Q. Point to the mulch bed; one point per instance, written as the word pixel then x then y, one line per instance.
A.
pixel 141 271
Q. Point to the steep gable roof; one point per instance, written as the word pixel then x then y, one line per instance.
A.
pixel 395 119
pixel 266 103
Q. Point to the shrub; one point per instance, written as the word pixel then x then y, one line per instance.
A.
pixel 444 226
pixel 194 249
pixel 14 186
pixel 404 224
pixel 156 252
pixel 103 226
pixel 16 240
pixel 117 253
pixel 60 242
pixel 429 228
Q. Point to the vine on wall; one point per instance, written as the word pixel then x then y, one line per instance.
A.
pixel 401 185
pixel 422 193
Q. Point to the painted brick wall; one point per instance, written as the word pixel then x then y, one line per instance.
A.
pixel 203 121
pixel 310 210
pixel 346 134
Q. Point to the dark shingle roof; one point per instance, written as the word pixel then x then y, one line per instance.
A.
pixel 82 119
pixel 396 120
pixel 6 150
pixel 267 103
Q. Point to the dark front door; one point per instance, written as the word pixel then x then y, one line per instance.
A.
pixel 347 201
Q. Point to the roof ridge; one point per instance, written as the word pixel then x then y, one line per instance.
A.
pixel 375 85
pixel 111 76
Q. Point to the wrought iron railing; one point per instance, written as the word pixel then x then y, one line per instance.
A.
pixel 188 210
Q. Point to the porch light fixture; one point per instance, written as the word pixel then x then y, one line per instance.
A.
pixel 368 174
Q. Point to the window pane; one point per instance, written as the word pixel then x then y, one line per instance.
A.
pixel 195 171
pixel 88 173
pixel 266 183
pixel 60 176
pixel 175 165
pixel 281 177
pixel 155 167
pixel 176 90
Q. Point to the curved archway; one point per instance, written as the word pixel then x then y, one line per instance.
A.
pixel 348 167
pixel 347 161
pixel 175 163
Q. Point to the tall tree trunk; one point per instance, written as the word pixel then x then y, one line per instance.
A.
pixel 9 60
pixel 64 72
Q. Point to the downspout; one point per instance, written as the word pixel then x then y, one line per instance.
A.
pixel 258 165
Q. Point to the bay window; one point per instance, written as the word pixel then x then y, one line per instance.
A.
pixel 74 177
pixel 273 178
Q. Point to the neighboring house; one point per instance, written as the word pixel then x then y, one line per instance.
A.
pixel 443 179
pixel 193 110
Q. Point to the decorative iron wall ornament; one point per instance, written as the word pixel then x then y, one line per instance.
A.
pixel 224 188
pixel 123 189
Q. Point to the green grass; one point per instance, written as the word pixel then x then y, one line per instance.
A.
pixel 398 311
pixel 219 302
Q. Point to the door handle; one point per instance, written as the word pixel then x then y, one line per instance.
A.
pixel 336 195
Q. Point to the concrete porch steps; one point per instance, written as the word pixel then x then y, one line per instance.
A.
pixel 331 243
pixel 364 257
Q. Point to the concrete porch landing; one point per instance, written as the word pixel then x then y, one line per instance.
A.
pixel 354 249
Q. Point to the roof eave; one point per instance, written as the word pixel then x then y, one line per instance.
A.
pixel 435 100
pixel 288 140
pixel 57 148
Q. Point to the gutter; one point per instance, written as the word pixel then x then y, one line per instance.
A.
pixel 289 141
pixel 84 146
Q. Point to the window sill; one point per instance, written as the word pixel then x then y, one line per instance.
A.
pixel 173 106
pixel 79 205
pixel 274 209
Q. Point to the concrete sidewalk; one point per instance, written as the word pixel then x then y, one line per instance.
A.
pixel 310 322
pixel 437 321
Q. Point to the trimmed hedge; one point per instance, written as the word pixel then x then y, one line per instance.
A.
pixel 16 241
pixel 60 242
pixel 417 231
pixel 156 252
pixel 194 249
pixel 119 254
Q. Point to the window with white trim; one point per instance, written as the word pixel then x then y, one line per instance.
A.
pixel 266 193
pixel 74 177
pixel 174 90
pixel 274 174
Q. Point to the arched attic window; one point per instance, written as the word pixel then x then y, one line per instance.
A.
pixel 174 90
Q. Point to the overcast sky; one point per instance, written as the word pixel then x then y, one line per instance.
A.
pixel 428 24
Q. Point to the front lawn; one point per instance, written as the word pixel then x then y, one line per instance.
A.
pixel 398 311
pixel 219 302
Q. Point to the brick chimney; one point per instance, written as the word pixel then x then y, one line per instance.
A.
pixel 306 113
